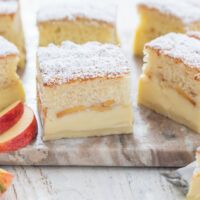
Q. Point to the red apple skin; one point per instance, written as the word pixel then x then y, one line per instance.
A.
pixel 10 118
pixel 21 140
pixel 6 179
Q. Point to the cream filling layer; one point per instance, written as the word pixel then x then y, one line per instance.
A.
pixel 194 190
pixel 169 102
pixel 86 121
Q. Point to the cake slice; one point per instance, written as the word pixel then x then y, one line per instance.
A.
pixel 83 90
pixel 194 188
pixel 11 88
pixel 79 23
pixel 161 17
pixel 11 26
pixel 170 81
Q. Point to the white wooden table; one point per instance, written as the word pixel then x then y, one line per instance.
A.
pixel 86 183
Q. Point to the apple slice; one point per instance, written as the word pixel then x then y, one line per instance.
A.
pixel 21 134
pixel 10 116
pixel 6 179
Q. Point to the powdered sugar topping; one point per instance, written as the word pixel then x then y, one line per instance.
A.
pixel 70 11
pixel 178 46
pixel 7 48
pixel 8 7
pixel 186 10
pixel 70 61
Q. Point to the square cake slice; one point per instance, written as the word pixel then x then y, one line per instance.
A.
pixel 159 17
pixel 170 83
pixel 83 90
pixel 78 23
pixel 11 88
pixel 11 26
pixel 194 187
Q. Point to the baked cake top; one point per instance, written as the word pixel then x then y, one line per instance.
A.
pixel 8 7
pixel 7 48
pixel 99 12
pixel 187 11
pixel 71 62
pixel 178 46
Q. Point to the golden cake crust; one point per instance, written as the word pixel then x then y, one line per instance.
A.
pixel 179 47
pixel 82 19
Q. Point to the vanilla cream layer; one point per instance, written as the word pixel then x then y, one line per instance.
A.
pixel 90 123
pixel 168 102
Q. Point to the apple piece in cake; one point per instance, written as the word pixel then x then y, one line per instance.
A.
pixel 158 18
pixel 170 81
pixel 77 23
pixel 83 90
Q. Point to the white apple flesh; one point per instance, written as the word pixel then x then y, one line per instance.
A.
pixel 21 134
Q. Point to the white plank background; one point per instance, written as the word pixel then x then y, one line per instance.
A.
pixel 86 183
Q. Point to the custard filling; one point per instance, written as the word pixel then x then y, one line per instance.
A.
pixel 106 105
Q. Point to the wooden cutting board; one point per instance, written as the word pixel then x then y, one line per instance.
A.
pixel 156 140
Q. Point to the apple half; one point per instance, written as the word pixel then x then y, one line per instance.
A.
pixel 21 134
pixel 6 179
pixel 10 116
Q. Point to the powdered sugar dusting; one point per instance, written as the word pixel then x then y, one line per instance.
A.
pixel 178 46
pixel 8 7
pixel 7 48
pixel 95 11
pixel 79 62
pixel 186 10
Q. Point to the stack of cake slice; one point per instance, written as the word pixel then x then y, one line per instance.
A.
pixel 170 81
pixel 159 17
pixel 79 23
pixel 11 26
pixel 11 88
pixel 194 189
pixel 83 90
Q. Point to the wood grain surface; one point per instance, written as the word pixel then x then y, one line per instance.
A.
pixel 86 183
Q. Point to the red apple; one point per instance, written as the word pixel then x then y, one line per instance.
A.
pixel 10 116
pixel 6 179
pixel 21 134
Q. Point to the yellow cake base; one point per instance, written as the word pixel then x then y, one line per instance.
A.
pixel 152 25
pixel 79 31
pixel 10 94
